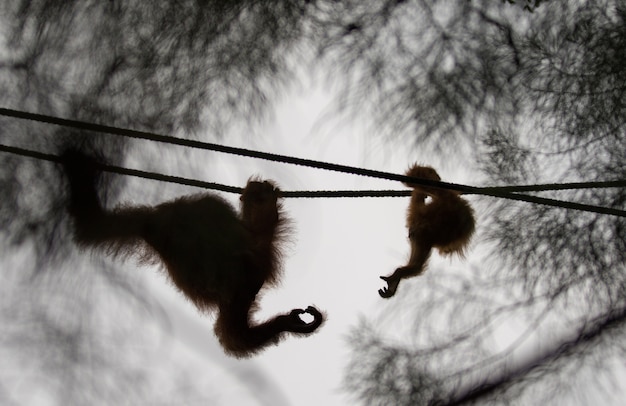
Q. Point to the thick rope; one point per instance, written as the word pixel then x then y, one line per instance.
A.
pixel 497 191
pixel 311 194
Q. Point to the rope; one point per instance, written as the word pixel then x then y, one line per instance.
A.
pixel 498 191
pixel 312 194
pixel 128 171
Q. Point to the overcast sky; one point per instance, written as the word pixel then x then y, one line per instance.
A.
pixel 338 250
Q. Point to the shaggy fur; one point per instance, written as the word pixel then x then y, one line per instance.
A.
pixel 446 223
pixel 218 259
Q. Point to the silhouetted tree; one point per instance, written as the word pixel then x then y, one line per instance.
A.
pixel 169 67
pixel 530 96
pixel 535 98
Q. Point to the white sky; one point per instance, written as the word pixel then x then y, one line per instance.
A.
pixel 339 249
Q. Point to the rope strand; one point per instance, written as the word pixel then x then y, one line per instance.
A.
pixel 498 191
pixel 312 194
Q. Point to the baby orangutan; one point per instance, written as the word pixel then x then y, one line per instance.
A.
pixel 446 223
pixel 218 259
